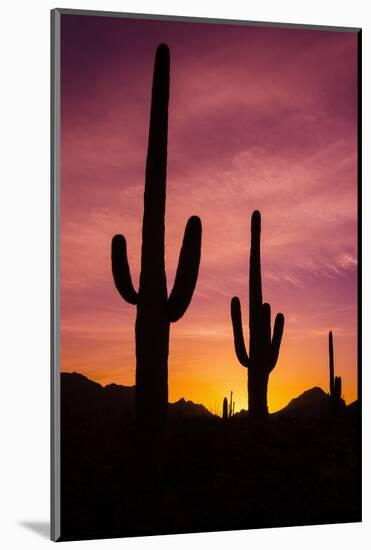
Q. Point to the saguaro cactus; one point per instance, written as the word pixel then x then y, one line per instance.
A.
pixel 331 361
pixel 264 348
pixel 230 405
pixel 155 310
pixel 335 381
pixel 225 408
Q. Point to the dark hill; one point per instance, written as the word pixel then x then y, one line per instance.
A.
pixel 188 409
pixel 354 411
pixel 81 397
pixel 313 403
pixel 353 406
pixel 85 400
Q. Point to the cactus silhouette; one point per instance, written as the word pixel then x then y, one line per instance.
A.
pixel 264 348
pixel 335 381
pixel 230 405
pixel 225 408
pixel 155 310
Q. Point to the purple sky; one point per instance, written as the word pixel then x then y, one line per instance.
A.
pixel 260 118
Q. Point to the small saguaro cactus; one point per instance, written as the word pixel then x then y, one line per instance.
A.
pixel 230 405
pixel 264 348
pixel 155 310
pixel 225 408
pixel 335 381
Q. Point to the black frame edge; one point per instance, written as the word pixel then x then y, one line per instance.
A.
pixel 359 246
pixel 211 20
pixel 55 520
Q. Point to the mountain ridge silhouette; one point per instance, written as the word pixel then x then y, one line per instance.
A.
pixel 75 386
pixel 312 403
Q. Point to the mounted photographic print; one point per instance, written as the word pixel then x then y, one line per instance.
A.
pixel 205 275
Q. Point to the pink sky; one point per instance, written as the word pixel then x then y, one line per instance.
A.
pixel 259 118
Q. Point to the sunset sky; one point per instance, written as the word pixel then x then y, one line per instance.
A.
pixel 259 118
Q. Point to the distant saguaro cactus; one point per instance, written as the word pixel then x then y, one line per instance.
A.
pixel 335 381
pixel 155 310
pixel 230 405
pixel 264 348
pixel 225 408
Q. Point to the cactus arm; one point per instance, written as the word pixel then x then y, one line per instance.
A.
pixel 121 270
pixel 276 340
pixel 187 272
pixel 239 343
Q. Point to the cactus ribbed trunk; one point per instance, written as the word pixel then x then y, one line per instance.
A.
pixel 152 326
pixel 257 389
pixel 257 385
pixel 264 348
pixel 255 288
pixel 155 310
pixel 152 331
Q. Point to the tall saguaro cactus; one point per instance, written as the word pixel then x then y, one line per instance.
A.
pixel 264 348
pixel 335 381
pixel 155 309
